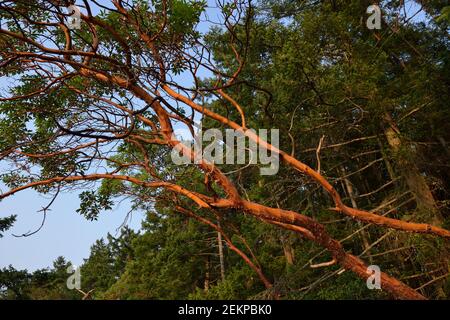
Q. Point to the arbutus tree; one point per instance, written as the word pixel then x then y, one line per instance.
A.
pixel 100 103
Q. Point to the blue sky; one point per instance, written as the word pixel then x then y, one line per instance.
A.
pixel 65 232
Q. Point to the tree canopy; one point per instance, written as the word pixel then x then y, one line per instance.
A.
pixel 364 126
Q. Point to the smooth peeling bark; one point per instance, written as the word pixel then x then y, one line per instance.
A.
pixel 317 233
pixel 357 214
pixel 350 262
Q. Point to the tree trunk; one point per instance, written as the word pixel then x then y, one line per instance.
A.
pixel 428 209
pixel 221 259
pixel 288 250
pixel 207 275
pixel 411 173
